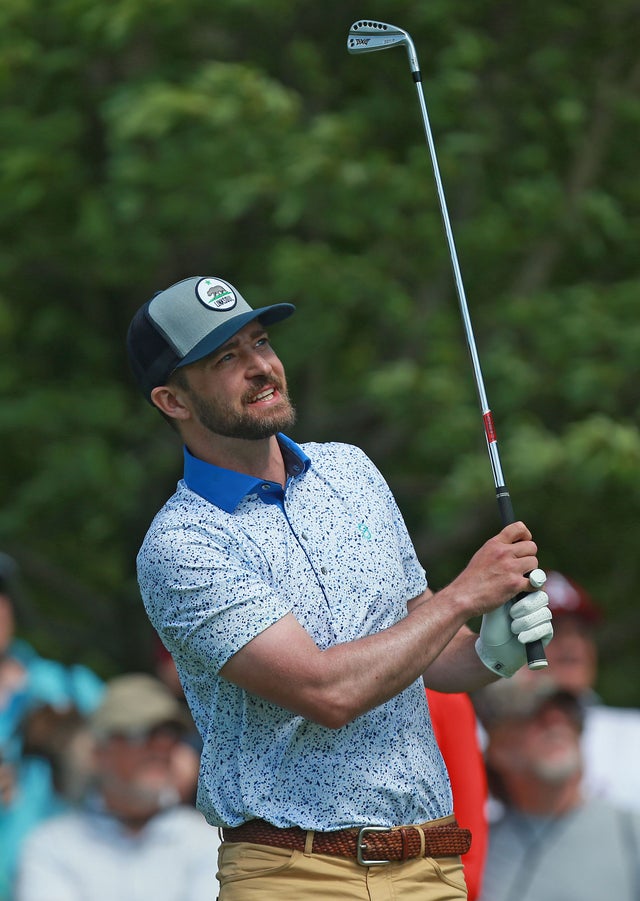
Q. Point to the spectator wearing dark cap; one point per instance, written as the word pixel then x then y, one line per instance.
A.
pixel 551 843
pixel 29 682
pixel 132 838
pixel 611 736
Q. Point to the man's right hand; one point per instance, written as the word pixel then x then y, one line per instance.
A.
pixel 497 572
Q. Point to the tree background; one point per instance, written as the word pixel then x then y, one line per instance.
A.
pixel 147 140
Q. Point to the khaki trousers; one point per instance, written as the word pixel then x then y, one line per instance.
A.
pixel 249 872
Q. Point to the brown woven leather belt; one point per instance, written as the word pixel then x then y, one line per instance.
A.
pixel 370 845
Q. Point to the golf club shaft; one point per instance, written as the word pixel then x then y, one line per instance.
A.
pixel 536 658
pixel 369 36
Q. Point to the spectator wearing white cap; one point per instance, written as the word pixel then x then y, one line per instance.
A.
pixel 132 838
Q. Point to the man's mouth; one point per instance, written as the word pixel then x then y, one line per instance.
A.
pixel 265 394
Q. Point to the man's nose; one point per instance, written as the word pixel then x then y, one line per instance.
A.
pixel 257 364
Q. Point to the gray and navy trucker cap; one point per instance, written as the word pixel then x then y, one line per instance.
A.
pixel 185 323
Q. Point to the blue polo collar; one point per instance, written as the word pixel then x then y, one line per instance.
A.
pixel 226 488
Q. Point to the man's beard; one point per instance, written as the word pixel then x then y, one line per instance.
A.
pixel 221 419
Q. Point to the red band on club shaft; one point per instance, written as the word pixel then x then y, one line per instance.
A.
pixel 489 427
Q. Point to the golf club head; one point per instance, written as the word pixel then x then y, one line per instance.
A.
pixel 366 36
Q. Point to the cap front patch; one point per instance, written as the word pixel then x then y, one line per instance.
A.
pixel 216 294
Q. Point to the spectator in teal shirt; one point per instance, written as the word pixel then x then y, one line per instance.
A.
pixel 28 682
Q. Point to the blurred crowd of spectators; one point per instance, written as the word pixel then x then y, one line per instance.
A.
pixel 97 780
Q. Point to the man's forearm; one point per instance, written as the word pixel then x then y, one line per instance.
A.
pixel 458 667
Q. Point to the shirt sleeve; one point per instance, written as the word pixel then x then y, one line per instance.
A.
pixel 206 596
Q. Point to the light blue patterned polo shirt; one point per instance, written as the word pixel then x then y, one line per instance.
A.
pixel 229 556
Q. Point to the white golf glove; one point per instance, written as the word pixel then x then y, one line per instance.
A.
pixel 505 631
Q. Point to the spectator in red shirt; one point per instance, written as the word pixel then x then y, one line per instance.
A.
pixel 455 727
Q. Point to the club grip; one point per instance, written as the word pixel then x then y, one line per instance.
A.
pixel 536 657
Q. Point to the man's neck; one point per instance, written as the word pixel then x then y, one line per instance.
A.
pixel 261 459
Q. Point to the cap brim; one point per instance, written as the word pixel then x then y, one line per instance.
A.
pixel 267 315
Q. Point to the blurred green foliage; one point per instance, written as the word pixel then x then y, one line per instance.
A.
pixel 146 140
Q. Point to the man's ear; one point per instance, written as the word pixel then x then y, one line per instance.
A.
pixel 170 401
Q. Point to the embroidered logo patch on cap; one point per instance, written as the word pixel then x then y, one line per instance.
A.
pixel 216 294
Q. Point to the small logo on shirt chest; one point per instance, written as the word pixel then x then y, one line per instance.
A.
pixel 364 530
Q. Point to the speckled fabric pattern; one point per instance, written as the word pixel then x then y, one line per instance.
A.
pixel 333 550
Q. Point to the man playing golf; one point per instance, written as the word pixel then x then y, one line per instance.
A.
pixel 284 583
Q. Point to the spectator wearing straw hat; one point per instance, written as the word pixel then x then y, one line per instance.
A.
pixel 132 838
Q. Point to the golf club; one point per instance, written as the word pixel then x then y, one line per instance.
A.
pixel 367 37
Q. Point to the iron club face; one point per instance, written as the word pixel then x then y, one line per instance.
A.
pixel 367 36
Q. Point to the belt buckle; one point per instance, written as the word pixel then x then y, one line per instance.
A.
pixel 361 846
